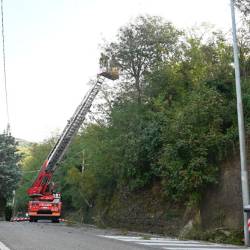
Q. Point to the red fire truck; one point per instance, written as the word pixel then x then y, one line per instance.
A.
pixel 45 203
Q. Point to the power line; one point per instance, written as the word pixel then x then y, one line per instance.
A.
pixel 4 72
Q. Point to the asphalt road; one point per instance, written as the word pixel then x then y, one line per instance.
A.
pixel 42 235
pixel 48 236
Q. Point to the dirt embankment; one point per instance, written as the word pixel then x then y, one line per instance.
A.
pixel 220 212
pixel 222 204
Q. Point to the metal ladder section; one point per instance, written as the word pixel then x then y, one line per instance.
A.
pixel 73 126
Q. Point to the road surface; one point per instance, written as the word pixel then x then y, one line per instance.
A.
pixel 49 236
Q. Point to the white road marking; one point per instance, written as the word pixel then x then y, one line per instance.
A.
pixel 198 248
pixel 173 244
pixel 177 244
pixel 3 247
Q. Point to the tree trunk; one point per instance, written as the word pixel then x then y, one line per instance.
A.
pixel 2 208
pixel 138 88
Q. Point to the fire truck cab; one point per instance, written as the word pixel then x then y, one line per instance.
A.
pixel 45 209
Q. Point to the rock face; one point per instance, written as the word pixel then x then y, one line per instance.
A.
pixel 222 204
pixel 185 231
pixel 147 211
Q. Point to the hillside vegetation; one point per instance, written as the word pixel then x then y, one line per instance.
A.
pixel 167 124
pixel 9 170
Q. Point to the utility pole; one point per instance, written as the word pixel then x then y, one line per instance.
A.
pixel 14 203
pixel 243 162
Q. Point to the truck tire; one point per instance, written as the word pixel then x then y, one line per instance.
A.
pixel 55 220
pixel 33 219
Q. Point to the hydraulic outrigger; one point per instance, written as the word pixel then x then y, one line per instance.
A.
pixel 46 204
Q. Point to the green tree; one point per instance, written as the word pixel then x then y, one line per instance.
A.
pixel 9 169
pixel 206 58
pixel 171 120
pixel 244 49
pixel 30 166
pixel 194 142
pixel 141 46
pixel 243 6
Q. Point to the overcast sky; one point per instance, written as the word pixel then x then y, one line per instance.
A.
pixel 52 50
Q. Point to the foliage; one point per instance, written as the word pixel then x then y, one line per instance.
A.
pixel 9 169
pixel 140 47
pixel 171 120
pixel 243 6
pixel 30 165
pixel 8 212
pixel 194 141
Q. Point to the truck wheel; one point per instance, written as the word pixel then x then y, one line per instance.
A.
pixel 55 220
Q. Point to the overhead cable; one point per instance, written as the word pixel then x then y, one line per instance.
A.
pixel 4 72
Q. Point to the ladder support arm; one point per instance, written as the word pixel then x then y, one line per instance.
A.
pixel 40 186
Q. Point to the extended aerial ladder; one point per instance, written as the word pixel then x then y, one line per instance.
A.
pixel 46 204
